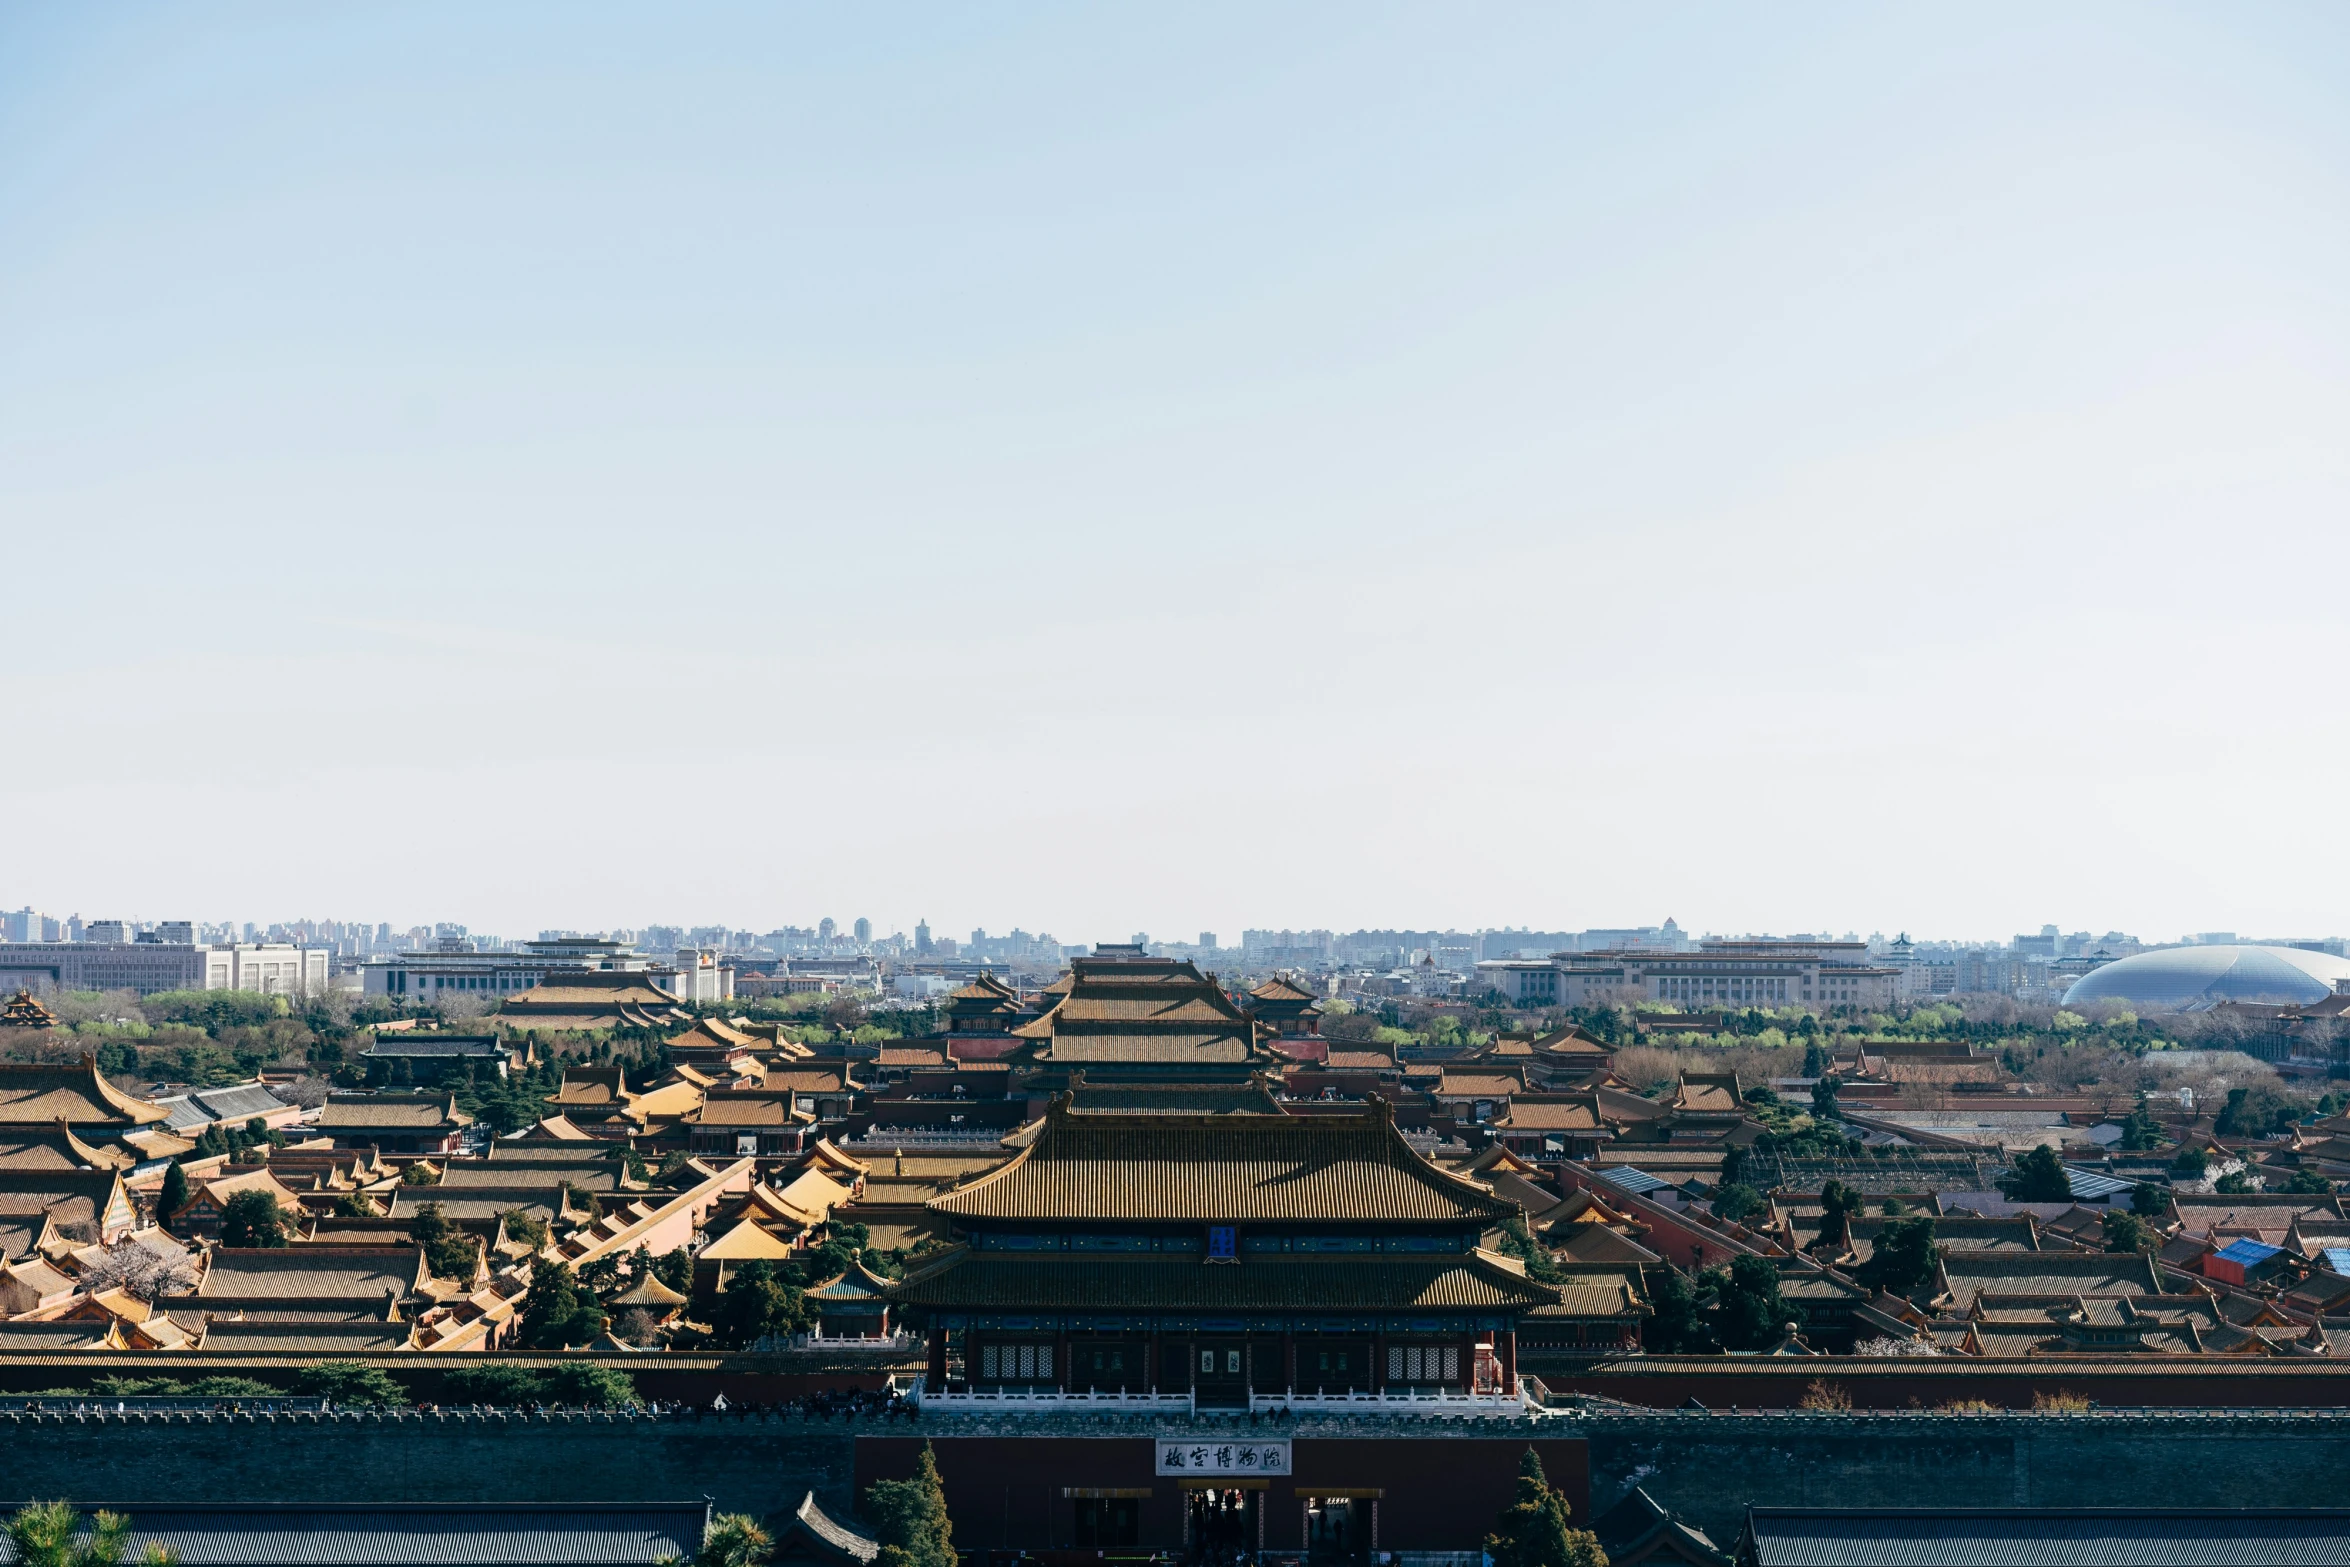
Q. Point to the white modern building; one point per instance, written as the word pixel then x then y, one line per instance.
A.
pixel 146 964
pixel 455 968
pixel 1720 974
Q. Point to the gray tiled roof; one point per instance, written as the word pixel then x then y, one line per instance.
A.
pixel 284 1338
pixel 241 1102
pixel 437 1046
pixel 28 1337
pixel 626 1534
pixel 2046 1537
pixel 839 1537
pixel 312 1272
pixel 503 1175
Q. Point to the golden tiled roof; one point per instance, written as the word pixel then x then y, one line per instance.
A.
pixel 23 1011
pixel 1361 1061
pixel 1157 1011
pixel 1492 1084
pixel 1102 1047
pixel 58 1149
pixel 411 1112
pixel 1203 1168
pixel 1539 1115
pixel 41 1094
pixel 759 1107
pixel 967 1280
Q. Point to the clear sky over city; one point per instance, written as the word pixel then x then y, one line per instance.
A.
pixel 1161 468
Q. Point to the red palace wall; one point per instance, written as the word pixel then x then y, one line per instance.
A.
pixel 1441 1493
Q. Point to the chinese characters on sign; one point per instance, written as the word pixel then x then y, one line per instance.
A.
pixel 1223 1458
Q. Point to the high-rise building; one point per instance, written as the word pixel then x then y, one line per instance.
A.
pixel 922 938
pixel 826 929
pixel 864 930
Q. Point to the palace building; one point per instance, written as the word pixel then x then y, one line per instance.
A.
pixel 1231 1260
pixel 1144 1019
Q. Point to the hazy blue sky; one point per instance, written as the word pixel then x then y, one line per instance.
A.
pixel 1118 467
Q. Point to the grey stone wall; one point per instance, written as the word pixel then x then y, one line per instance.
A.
pixel 1710 1466
pixel 754 1464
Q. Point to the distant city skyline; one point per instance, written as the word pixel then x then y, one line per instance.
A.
pixel 20 925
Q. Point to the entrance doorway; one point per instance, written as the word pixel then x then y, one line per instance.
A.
pixel 1341 1526
pixel 1220 1524
pixel 1106 1522
pixel 1337 1529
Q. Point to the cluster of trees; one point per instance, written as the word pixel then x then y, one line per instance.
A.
pixel 235 1142
pixel 1738 1307
pixel 212 1037
pixel 54 1534
pixel 575 1383
pixel 1390 1028
pixel 252 1218
pixel 769 1299
pixel 448 1251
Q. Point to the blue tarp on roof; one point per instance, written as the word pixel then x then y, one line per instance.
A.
pixel 2248 1253
pixel 2337 1260
pixel 1638 1182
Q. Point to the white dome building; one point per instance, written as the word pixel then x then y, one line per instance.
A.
pixel 2195 979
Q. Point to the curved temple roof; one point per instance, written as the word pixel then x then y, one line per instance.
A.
pixel 1223 1169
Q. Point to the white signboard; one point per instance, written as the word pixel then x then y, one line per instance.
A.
pixel 1192 1457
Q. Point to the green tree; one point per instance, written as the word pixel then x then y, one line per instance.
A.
pixel 447 1250
pixel 555 1315
pixel 910 1518
pixel 2190 1164
pixel 1736 1201
pixel 2125 1232
pixel 348 1382
pixel 229 1387
pixel 2236 1183
pixel 1748 1311
pixel 757 1303
pixel 730 1540
pixel 2307 1183
pixel 2149 1201
pixel 50 1534
pixel 2254 1112
pixel 1839 1203
pixel 1518 1241
pixel 1533 1530
pixel 2038 1176
pixel 586 1383
pixel 493 1382
pixel 1676 1325
pixel 524 1230
pixel 252 1219
pixel 1902 1258
pixel 174 1195
pixel 1823 1100
pixel 2140 1131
